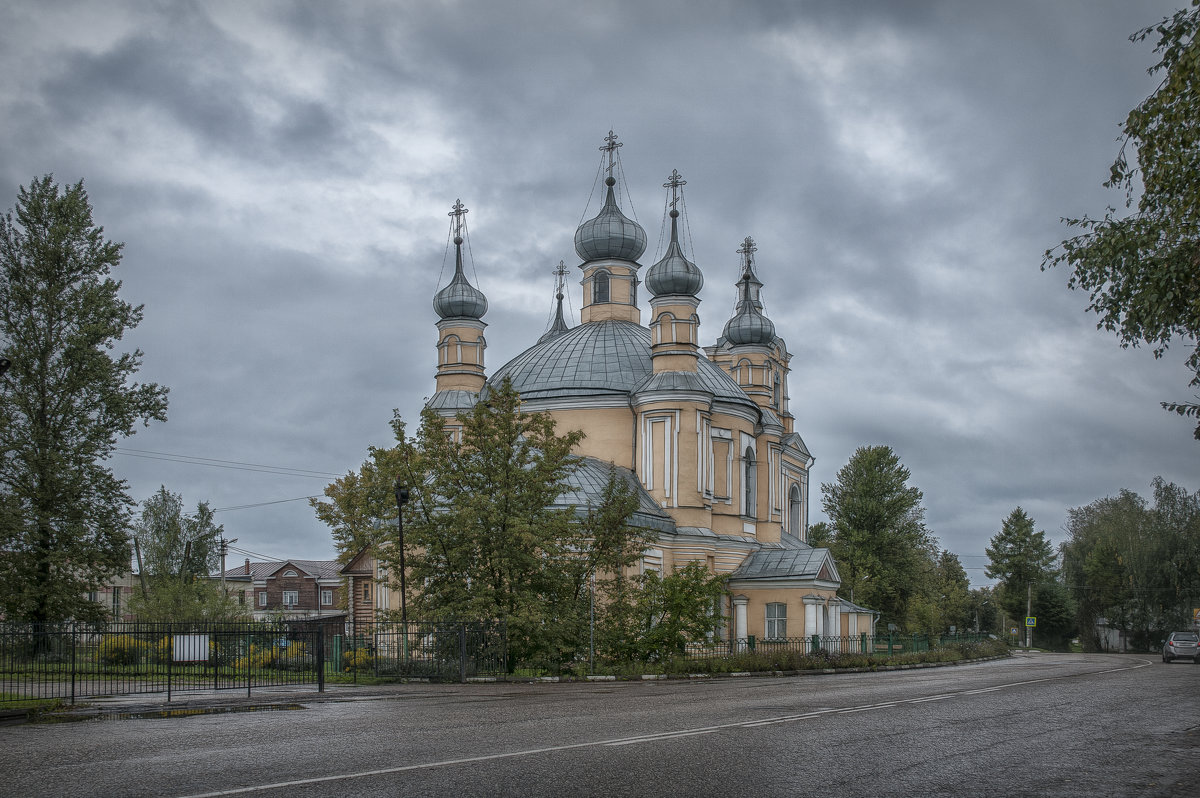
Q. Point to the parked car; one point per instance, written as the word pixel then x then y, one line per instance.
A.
pixel 1182 645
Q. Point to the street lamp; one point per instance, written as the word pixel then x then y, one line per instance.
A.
pixel 401 500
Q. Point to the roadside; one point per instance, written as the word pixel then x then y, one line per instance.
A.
pixel 210 702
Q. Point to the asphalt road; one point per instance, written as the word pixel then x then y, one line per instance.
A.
pixel 1037 725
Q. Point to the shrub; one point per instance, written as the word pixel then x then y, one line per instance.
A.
pixel 358 660
pixel 121 650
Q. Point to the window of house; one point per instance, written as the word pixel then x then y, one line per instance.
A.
pixel 262 599
pixel 326 598
pixel 366 591
pixel 794 510
pixel 242 598
pixel 93 596
pixel 290 572
pixel 600 288
pixel 116 602
pixel 291 598
pixel 776 621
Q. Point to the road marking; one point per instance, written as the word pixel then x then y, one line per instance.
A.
pixel 644 738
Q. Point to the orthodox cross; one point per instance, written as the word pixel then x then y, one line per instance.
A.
pixel 459 211
pixel 747 250
pixel 674 182
pixel 610 146
pixel 560 273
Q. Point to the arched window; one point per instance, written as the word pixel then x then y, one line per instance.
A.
pixel 794 516
pixel 776 390
pixel 600 288
pixel 750 481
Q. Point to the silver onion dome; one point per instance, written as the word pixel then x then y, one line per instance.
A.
pixel 611 234
pixel 749 325
pixel 459 299
pixel 674 274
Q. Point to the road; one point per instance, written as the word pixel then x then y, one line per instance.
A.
pixel 1037 725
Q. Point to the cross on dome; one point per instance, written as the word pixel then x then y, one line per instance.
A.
pixel 675 182
pixel 458 212
pixel 747 250
pixel 610 146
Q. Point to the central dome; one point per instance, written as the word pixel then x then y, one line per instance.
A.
pixel 611 234
pixel 599 358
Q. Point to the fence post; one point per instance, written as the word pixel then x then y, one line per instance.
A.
pixel 815 642
pixel 462 653
pixel 170 659
pixel 74 636
pixel 864 642
pixel 320 659
pixel 750 642
pixel 249 662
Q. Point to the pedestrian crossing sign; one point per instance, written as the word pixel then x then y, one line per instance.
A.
pixel 1030 620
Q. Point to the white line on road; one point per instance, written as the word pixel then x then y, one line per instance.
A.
pixel 645 738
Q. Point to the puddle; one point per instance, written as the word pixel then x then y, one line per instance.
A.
pixel 158 714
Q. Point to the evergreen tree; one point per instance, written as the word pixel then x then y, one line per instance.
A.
pixel 65 401
pixel 1021 558
pixel 879 537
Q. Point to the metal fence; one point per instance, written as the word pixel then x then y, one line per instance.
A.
pixel 872 645
pixel 444 651
pixel 74 660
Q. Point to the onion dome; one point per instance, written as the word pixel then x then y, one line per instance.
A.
pixel 674 274
pixel 749 325
pixel 611 234
pixel 459 299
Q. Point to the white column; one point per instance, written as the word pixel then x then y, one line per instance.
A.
pixel 835 622
pixel 810 617
pixel 739 618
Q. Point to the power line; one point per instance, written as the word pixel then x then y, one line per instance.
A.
pixel 231 464
pixel 261 504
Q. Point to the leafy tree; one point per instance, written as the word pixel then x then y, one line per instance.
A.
pixel 983 609
pixel 1134 563
pixel 173 543
pixel 879 537
pixel 664 614
pixel 179 552
pixel 1021 558
pixel 65 402
pixel 485 534
pixel 1141 269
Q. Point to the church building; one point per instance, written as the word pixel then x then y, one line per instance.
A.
pixel 704 433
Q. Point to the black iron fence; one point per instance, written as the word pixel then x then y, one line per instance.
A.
pixel 443 651
pixel 73 660
pixel 880 645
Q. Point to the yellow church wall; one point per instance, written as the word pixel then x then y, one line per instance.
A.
pixel 608 431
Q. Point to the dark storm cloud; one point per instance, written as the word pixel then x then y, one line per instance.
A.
pixel 281 173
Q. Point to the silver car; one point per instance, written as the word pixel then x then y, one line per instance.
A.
pixel 1182 645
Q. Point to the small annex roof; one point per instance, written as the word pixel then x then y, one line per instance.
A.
pixel 791 562
pixel 793 439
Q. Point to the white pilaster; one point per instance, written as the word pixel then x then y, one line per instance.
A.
pixel 739 618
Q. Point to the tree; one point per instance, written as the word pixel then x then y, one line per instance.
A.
pixel 179 553
pixel 1021 559
pixel 663 614
pixel 1141 269
pixel 1134 563
pixel 879 536
pixel 486 536
pixel 64 403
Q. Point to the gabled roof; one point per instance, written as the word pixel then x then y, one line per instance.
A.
pixel 792 562
pixel 319 569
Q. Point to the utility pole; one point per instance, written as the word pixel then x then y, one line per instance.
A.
pixel 137 550
pixel 1028 612
pixel 224 544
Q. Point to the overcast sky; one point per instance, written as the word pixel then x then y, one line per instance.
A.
pixel 281 174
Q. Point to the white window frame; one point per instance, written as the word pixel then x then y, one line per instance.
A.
pixel 775 621
pixel 262 599
pixel 326 597
pixel 291 598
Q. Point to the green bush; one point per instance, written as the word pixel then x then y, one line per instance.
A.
pixel 121 650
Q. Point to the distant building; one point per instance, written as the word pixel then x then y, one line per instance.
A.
pixel 289 589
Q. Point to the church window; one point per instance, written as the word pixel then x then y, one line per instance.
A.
pixel 601 292
pixel 794 505
pixel 776 621
pixel 749 482
pixel 776 390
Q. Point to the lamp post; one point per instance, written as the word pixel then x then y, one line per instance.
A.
pixel 401 500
